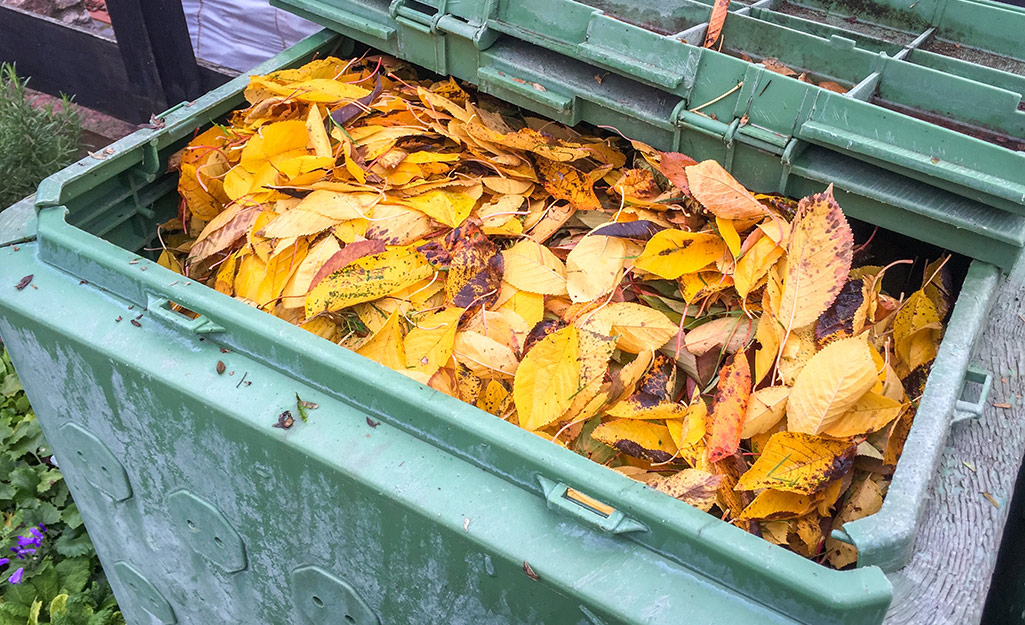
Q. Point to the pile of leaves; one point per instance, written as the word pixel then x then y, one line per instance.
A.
pixel 632 305
pixel 56 580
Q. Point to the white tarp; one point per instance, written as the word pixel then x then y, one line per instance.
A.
pixel 241 33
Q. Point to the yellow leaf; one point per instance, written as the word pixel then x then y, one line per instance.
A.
pixel 274 144
pixel 819 258
pixel 830 384
pixel 447 207
pixel 566 182
pixel 223 230
pixel 319 140
pixel 640 439
pixel 694 286
pixel 485 356
pixel 720 192
pixel 916 330
pixel 671 253
pixel 639 328
pixel 170 261
pixel 796 352
pixel 593 267
pixel 321 90
pixel 494 398
pixel 251 271
pixel 775 505
pixel 529 306
pixel 534 268
pixel 294 294
pixel 869 414
pixel 397 225
pixel 768 335
pixel 319 211
pixel 798 463
pixel 225 282
pixel 728 232
pixel 279 269
pixel 764 410
pixel 367 279
pixel 689 433
pixel 698 488
pixel 755 264
pixel 547 379
pixel 386 346
pixel 429 343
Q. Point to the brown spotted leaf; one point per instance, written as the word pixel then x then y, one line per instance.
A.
pixel 819 258
pixel 640 439
pixel 798 463
pixel 698 488
pixel 351 252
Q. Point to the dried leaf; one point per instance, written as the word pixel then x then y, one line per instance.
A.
pixel 721 194
pixel 765 409
pixel 733 332
pixel 533 268
pixel 819 258
pixel 720 9
pixel 729 408
pixel 672 253
pixel 547 379
pixel 640 439
pixel 367 279
pixel 775 505
pixel 593 267
pixel 697 488
pixel 831 384
pixel 638 327
pixel 871 413
pixel 428 345
pixel 798 463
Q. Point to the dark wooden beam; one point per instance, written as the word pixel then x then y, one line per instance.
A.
pixel 65 59
pixel 156 49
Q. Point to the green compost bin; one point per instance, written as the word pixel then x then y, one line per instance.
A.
pixel 394 504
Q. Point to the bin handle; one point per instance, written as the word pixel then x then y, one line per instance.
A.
pixel 160 307
pixel 589 511
pixel 963 409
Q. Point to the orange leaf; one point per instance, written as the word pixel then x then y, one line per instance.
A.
pixel 729 408
pixel 566 182
pixel 721 194
pixel 716 21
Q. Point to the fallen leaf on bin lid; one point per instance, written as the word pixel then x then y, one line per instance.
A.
pixel 285 420
pixel 24 282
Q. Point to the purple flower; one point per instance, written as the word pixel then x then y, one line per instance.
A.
pixel 29 540
pixel 21 551
pixel 4 561
pixel 37 534
pixel 42 528
pixel 15 577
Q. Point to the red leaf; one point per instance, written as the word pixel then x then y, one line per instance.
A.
pixel 351 252
pixel 728 409
pixel 672 167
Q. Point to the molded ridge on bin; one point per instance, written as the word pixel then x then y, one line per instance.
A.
pixel 381 512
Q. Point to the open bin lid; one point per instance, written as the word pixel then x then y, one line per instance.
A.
pixel 927 139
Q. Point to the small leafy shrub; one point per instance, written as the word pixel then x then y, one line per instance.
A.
pixel 34 142
pixel 49 572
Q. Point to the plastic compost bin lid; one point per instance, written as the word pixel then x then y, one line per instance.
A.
pixel 928 140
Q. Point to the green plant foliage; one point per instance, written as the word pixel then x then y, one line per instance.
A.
pixel 35 141
pixel 62 583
